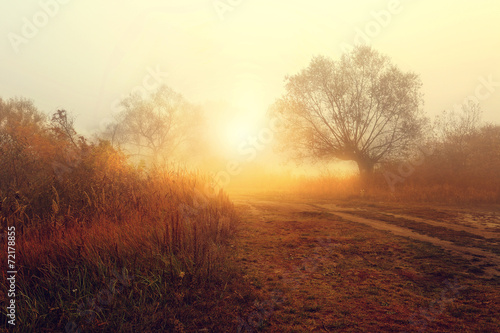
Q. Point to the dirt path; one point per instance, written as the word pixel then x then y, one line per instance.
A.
pixel 322 268
pixel 476 230
pixel 466 225
pixel 483 258
pixel 489 260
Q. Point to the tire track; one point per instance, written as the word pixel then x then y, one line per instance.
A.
pixel 484 258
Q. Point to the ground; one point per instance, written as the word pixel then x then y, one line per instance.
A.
pixel 352 266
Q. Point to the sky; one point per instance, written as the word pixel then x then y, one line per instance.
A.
pixel 84 56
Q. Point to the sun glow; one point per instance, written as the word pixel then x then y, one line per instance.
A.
pixel 238 122
pixel 233 130
pixel 238 129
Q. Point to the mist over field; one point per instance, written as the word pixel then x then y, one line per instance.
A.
pixel 246 166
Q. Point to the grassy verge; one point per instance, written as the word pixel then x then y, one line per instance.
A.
pixel 168 268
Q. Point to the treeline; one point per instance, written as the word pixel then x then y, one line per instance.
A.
pixel 458 162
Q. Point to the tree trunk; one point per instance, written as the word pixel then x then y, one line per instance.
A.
pixel 366 167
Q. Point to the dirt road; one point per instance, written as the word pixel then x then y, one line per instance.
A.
pixel 356 267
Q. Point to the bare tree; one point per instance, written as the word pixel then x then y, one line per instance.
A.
pixel 157 127
pixel 63 127
pixel 360 108
pixel 455 132
pixel 458 123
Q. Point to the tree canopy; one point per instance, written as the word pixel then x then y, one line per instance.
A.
pixel 157 127
pixel 360 108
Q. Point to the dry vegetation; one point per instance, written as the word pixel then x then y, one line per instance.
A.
pixel 314 271
pixel 103 245
pixel 457 168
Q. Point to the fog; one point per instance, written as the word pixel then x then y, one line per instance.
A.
pixel 83 57
pixel 250 165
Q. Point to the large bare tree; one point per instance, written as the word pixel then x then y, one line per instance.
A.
pixel 361 108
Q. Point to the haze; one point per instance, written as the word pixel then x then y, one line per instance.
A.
pixel 89 54
pixel 250 166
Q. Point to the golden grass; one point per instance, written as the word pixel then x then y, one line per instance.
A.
pixel 102 223
pixel 421 186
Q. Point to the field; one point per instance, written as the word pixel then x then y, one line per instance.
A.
pixel 263 263
pixel 231 166
pixel 95 242
pixel 354 266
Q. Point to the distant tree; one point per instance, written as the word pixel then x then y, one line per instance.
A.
pixel 27 150
pixel 465 145
pixel 19 120
pixel 155 128
pixel 63 127
pixel 454 132
pixel 460 122
pixel 485 156
pixel 24 142
pixel 361 108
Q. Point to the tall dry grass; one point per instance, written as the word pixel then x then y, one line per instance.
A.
pixel 135 224
pixel 420 187
pixel 427 183
pixel 103 245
